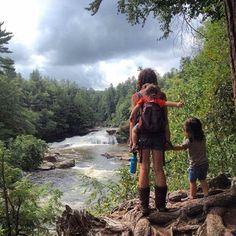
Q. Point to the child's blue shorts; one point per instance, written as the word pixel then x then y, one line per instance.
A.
pixel 198 172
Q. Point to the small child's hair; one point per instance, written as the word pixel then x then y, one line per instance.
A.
pixel 145 85
pixel 152 90
pixel 193 127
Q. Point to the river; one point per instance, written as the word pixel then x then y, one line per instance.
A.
pixel 87 151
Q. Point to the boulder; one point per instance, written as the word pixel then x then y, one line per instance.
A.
pixel 51 157
pixel 221 181
pixel 111 131
pixel 46 166
pixel 65 164
pixel 121 156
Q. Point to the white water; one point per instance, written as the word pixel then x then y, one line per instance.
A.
pixel 93 138
pixel 87 151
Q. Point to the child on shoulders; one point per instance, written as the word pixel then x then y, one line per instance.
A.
pixel 151 95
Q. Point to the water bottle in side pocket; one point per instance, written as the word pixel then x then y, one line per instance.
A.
pixel 133 163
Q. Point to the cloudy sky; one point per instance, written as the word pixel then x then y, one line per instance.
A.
pixel 63 41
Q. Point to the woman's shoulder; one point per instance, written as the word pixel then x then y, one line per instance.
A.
pixel 136 96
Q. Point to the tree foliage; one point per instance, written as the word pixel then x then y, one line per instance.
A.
pixel 25 208
pixel 204 86
pixel 137 11
pixel 26 152
pixel 6 63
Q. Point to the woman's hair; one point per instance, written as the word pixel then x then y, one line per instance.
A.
pixel 146 76
pixel 193 127
pixel 152 91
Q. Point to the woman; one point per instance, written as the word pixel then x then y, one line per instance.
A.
pixel 150 145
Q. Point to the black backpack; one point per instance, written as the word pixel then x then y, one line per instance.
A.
pixel 152 118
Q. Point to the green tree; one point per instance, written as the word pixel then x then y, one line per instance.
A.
pixel 25 208
pixel 203 85
pixel 110 95
pixel 6 64
pixel 27 152
pixel 14 118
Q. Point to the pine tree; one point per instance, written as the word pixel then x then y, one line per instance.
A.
pixel 6 64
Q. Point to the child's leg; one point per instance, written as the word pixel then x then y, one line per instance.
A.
pixel 193 189
pixel 202 178
pixel 192 175
pixel 204 187
pixel 134 137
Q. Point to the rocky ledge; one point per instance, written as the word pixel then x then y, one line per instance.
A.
pixel 213 215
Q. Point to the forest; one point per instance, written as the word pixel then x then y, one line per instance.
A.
pixel 40 110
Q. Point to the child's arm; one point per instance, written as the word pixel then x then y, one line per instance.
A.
pixel 174 104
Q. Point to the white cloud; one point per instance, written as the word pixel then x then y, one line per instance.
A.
pixel 21 18
pixel 64 41
pixel 117 71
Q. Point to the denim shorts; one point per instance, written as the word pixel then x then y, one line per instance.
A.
pixel 198 172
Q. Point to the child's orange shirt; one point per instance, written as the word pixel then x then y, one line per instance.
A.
pixel 146 99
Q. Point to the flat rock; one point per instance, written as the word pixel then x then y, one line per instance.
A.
pixel 46 166
pixel 65 164
pixel 119 155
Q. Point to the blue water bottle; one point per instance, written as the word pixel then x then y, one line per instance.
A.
pixel 133 163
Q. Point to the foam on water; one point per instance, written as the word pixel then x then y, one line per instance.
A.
pixel 99 174
pixel 100 137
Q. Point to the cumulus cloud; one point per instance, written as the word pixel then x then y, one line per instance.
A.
pixel 71 44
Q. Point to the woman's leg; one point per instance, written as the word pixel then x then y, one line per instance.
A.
pixel 160 177
pixel 160 180
pixel 143 182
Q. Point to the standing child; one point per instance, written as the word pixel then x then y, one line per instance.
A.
pixel 195 143
pixel 151 95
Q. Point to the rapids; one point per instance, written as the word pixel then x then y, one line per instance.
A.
pixel 87 151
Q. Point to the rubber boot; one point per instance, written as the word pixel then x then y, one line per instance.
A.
pixel 144 200
pixel 160 198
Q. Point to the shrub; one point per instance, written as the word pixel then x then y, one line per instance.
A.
pixel 25 208
pixel 26 152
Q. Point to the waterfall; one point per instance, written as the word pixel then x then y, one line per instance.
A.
pixel 86 151
pixel 100 137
